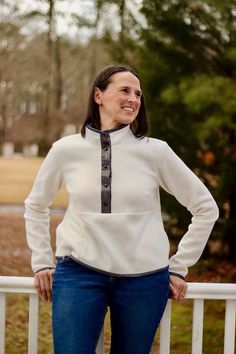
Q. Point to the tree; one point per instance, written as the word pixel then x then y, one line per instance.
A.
pixel 188 65
pixel 121 43
pixel 42 73
pixel 53 79
pixel 10 42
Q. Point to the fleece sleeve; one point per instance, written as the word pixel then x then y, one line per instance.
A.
pixel 177 179
pixel 37 221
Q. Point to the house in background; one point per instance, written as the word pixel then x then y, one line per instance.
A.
pixel 23 137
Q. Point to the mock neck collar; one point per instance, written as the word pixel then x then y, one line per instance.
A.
pixel 116 134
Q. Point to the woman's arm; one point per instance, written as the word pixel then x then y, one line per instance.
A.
pixel 37 221
pixel 177 179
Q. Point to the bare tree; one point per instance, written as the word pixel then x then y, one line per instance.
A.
pixel 10 41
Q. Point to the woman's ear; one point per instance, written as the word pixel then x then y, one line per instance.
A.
pixel 98 96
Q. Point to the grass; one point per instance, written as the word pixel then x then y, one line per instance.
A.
pixel 17 327
pixel 181 328
pixel 16 180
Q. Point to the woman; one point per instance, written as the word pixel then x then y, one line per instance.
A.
pixel 112 249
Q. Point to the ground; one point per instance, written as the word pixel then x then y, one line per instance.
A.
pixel 15 261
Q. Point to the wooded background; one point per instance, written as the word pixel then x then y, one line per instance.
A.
pixel 185 54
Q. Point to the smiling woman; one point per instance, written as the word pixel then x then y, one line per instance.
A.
pixel 120 102
pixel 112 249
pixel 115 99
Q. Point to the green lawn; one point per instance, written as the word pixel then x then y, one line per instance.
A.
pixel 17 327
pixel 16 180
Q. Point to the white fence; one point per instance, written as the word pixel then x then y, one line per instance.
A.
pixel 196 291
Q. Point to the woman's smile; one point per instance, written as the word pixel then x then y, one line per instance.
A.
pixel 119 103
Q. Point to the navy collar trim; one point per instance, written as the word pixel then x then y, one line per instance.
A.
pixel 106 131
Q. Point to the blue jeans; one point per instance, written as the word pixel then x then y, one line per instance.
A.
pixel 80 299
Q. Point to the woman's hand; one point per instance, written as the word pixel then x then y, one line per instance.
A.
pixel 43 283
pixel 178 288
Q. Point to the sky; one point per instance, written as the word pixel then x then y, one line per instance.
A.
pixel 65 9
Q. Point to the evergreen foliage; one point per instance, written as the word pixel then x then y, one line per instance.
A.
pixel 185 53
pixel 188 66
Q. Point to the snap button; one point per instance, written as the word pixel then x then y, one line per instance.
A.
pixel 105 185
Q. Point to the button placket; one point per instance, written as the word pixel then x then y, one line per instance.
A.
pixel 105 173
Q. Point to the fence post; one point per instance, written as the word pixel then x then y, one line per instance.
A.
pixel 100 346
pixel 229 336
pixel 197 331
pixel 2 322
pixel 33 324
pixel 165 330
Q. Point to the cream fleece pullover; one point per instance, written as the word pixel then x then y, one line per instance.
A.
pixel 113 222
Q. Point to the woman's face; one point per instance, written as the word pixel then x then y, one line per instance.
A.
pixel 120 102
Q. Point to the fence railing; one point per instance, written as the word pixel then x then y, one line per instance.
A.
pixel 196 291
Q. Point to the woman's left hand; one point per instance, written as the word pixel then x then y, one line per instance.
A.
pixel 178 288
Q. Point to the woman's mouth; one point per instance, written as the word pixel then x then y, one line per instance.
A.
pixel 128 109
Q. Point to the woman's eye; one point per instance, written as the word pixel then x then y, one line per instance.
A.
pixel 137 94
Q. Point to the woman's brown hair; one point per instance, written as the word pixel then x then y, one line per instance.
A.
pixel 140 125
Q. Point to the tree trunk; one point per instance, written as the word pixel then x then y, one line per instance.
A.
pixel 45 141
pixel 122 8
pixel 229 235
pixel 3 124
pixel 58 74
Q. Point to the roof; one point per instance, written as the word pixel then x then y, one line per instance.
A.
pixel 24 129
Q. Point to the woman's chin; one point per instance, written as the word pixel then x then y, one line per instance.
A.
pixel 128 119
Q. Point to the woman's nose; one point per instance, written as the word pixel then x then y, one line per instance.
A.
pixel 132 97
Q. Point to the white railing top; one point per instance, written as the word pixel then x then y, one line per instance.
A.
pixel 9 284
pixel 224 291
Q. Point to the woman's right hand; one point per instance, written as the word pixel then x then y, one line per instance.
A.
pixel 43 283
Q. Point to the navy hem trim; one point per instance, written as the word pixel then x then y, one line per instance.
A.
pixel 43 269
pixel 177 275
pixel 114 274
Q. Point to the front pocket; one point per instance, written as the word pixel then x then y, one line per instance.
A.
pixel 119 243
